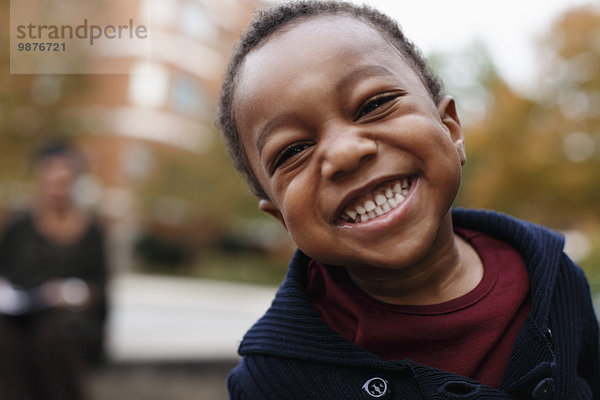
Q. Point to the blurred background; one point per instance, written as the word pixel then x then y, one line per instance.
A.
pixel 193 262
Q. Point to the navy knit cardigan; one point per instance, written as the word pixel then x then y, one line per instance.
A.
pixel 291 353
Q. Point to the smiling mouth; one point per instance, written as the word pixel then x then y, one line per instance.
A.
pixel 383 199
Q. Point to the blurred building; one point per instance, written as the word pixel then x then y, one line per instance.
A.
pixel 165 105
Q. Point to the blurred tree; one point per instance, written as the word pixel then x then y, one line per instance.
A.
pixel 539 157
pixel 198 199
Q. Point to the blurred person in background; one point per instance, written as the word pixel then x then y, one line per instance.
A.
pixel 52 286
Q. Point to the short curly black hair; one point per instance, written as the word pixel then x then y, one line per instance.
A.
pixel 267 22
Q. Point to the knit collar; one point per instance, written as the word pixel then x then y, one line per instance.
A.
pixel 292 328
pixel 540 248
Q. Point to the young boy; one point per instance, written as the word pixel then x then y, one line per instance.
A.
pixel 347 139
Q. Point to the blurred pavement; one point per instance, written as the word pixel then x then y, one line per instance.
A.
pixel 165 319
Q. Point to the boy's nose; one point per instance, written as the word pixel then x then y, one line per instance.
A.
pixel 345 154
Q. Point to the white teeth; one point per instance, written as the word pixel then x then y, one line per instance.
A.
pixel 382 203
pixel 369 205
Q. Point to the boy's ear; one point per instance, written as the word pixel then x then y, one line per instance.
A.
pixel 270 208
pixel 449 116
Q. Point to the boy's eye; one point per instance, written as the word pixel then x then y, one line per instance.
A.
pixel 289 152
pixel 373 105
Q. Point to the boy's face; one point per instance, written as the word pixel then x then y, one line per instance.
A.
pixel 333 121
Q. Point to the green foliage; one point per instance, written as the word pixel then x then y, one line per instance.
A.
pixel 246 266
pixel 243 267
pixel 154 250
pixel 207 183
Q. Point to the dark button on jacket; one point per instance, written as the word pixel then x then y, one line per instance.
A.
pixel 544 389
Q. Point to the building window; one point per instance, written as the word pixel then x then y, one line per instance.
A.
pixel 163 12
pixel 148 85
pixel 188 98
pixel 196 23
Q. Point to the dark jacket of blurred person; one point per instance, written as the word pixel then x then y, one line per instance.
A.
pixel 52 287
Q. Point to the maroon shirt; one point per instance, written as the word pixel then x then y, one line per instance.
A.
pixel 471 335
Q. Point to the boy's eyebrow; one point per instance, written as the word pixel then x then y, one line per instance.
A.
pixel 351 79
pixel 265 132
